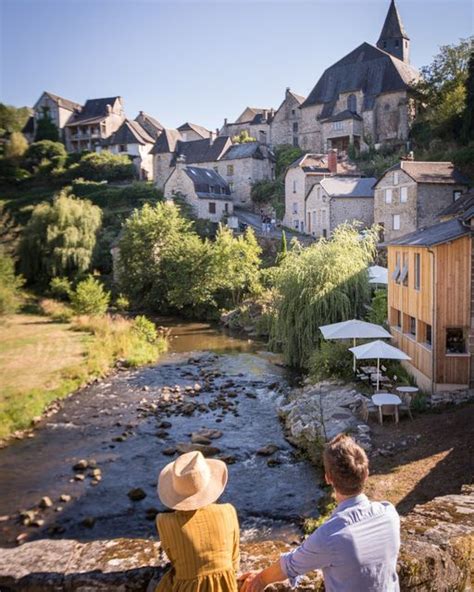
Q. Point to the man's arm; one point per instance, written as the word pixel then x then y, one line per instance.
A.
pixel 258 582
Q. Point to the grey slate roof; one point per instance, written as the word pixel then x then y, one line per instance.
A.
pixel 150 124
pixel 93 111
pixel 201 150
pixel 166 142
pixel 461 206
pixel 248 150
pixel 430 172
pixel 434 235
pixel 208 184
pixel 393 26
pixel 130 132
pixel 366 68
pixel 199 129
pixel 349 186
pixel 343 115
pixel 62 102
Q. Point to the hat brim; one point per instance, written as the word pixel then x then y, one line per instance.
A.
pixel 208 495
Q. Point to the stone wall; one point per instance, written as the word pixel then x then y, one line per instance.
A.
pixel 349 209
pixel 408 211
pixel 282 126
pixel 437 555
pixel 161 168
pixel 432 199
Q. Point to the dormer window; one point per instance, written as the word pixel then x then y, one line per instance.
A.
pixel 352 103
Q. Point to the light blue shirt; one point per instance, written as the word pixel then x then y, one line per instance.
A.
pixel 356 549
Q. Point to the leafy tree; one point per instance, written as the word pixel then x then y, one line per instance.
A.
pixel 235 266
pixel 10 285
pixel 442 93
pixel 101 166
pixel 45 153
pixel 243 138
pixel 90 298
pixel 46 129
pixel 12 119
pixel 324 283
pixel 59 239
pixel 285 154
pixel 16 147
pixel 148 235
pixel 468 116
pixel 378 312
pixel 283 249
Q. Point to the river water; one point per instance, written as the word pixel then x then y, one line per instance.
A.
pixel 117 423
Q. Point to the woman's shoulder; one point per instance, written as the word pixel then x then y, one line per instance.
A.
pixel 165 517
pixel 223 509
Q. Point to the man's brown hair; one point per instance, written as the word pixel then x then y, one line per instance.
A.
pixel 346 464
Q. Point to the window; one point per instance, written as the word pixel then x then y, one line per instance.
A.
pixel 417 273
pixel 226 207
pixel 295 127
pixel 325 233
pixel 230 170
pixel 315 219
pixel 212 207
pixel 396 222
pixel 404 273
pixel 338 126
pixel 296 224
pixel 352 103
pixel 396 271
pixel 294 186
pixel 323 217
pixel 403 194
pixel 295 141
pixel 388 196
pixel 395 178
pixel 424 333
pixel 231 187
pixel 295 207
pixel 412 326
pixel 292 111
pixel 397 43
pixel 381 232
pixel 455 341
pixel 395 318
pixel 122 148
pixel 456 195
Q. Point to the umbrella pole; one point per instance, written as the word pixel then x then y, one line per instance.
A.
pixel 354 344
pixel 378 374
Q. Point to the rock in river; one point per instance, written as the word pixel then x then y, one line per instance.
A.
pixel 184 447
pixel 136 494
pixel 268 450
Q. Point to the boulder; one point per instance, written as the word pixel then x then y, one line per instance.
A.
pixel 207 451
pixel 136 494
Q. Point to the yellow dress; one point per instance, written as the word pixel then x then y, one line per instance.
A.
pixel 203 548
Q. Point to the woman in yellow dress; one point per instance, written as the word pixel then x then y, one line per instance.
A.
pixel 200 538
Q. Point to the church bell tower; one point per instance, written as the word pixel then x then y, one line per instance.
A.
pixel 393 38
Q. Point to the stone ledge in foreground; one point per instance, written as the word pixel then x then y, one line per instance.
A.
pixel 437 555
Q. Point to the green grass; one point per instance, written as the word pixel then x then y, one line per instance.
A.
pixel 42 360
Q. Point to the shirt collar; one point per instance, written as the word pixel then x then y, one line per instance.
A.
pixel 352 501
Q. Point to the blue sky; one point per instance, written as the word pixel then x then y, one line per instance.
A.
pixel 199 61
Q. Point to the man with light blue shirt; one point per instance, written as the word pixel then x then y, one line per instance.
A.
pixel 357 547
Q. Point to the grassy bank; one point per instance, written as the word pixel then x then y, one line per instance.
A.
pixel 42 360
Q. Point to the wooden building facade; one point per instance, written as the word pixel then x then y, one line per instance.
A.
pixel 430 304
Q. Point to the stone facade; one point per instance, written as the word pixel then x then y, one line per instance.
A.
pixel 57 109
pixel 211 207
pixel 402 205
pixel 286 124
pixel 162 168
pixel 297 186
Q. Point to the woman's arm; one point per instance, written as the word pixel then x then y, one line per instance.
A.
pixel 236 545
pixel 270 575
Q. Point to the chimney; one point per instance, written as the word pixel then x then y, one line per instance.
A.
pixel 265 113
pixel 180 162
pixel 332 161
pixel 225 121
pixel 287 92
pixel 211 138
pixel 108 108
pixel 217 131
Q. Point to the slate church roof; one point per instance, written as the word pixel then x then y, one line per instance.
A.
pixel 393 27
pixel 366 68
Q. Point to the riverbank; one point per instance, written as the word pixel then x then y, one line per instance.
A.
pixel 43 361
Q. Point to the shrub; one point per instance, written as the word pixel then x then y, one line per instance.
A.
pixel 47 153
pixel 10 285
pixel 332 359
pixel 100 166
pixel 60 288
pixel 58 311
pixel 122 303
pixel 90 298
pixel 378 312
pixel 145 329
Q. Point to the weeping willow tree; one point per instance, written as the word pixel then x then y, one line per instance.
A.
pixel 59 239
pixel 324 283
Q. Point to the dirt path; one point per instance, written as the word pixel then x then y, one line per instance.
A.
pixel 438 462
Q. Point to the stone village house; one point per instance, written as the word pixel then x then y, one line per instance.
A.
pixel 431 299
pixel 97 120
pixel 411 194
pixel 203 189
pixel 307 171
pixel 239 164
pixel 337 200
pixel 58 109
pixel 254 121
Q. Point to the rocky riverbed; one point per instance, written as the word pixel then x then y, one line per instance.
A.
pixel 90 470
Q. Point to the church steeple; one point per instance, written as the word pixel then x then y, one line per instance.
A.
pixel 393 37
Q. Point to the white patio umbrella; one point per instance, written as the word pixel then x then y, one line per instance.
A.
pixel 377 350
pixel 378 275
pixel 354 329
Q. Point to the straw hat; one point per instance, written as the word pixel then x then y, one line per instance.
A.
pixel 191 482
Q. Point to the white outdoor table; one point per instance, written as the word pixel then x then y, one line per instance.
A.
pixel 381 399
pixel 408 389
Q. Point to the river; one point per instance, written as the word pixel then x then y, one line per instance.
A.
pixel 118 424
